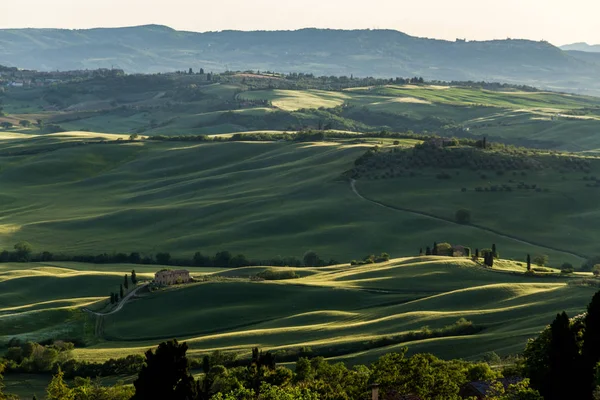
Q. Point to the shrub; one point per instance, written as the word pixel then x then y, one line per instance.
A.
pixel 566 266
pixel 540 260
pixel 444 249
pixel 567 271
pixel 272 274
pixel 463 216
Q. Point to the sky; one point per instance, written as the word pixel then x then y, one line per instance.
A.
pixel 557 21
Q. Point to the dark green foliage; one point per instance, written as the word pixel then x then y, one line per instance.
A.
pixel 126 282
pixel 372 259
pixel 165 374
pixel 121 292
pixel 275 275
pixel 443 249
pixel 540 260
pixel 428 251
pixel 590 351
pixel 494 251
pixel 163 258
pixel 463 216
pixel 434 249
pixel 23 251
pixel 311 259
pixel 134 277
pixel 563 359
pixel 528 262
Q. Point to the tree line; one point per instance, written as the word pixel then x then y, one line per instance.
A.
pixel 23 252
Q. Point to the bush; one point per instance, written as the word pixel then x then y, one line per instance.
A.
pixel 567 271
pixel 272 274
pixel 540 260
pixel 566 266
pixel 444 249
pixel 463 216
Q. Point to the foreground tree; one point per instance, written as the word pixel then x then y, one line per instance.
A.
pixel 562 359
pixel 126 282
pixel 590 351
pixel 134 277
pixel 58 389
pixel 165 375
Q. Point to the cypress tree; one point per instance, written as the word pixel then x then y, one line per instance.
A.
pixel 421 251
pixel 528 262
pixel 121 291
pixel 434 251
pixel 590 351
pixel 494 252
pixel 126 282
pixel 476 253
pixel 133 277
pixel 562 359
pixel 427 251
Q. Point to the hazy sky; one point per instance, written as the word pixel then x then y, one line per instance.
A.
pixel 557 21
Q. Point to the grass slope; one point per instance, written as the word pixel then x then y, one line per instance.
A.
pixel 259 199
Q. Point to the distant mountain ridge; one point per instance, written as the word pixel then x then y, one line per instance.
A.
pixel 380 53
pixel 582 47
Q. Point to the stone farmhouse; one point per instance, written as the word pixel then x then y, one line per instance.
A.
pixel 171 277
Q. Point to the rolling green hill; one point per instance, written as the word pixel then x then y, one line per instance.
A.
pixel 179 104
pixel 269 199
pixel 353 313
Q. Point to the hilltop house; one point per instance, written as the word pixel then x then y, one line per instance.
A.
pixel 170 277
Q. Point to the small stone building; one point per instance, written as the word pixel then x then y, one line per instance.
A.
pixel 172 277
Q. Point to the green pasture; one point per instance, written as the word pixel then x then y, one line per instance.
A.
pixel 258 199
pixel 341 307
pixel 563 217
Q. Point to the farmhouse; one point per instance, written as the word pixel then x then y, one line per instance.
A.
pixel 171 277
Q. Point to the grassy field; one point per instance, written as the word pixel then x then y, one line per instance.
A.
pixel 259 199
pixel 331 309
pixel 545 119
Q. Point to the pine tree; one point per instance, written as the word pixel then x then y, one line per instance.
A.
pixel 528 262
pixel 121 292
pixel 590 352
pixel 563 357
pixel 133 277
pixel 58 389
pixel 126 282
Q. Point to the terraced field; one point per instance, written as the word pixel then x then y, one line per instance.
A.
pixel 340 310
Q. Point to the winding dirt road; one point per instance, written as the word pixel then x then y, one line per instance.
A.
pixel 120 305
pixel 482 228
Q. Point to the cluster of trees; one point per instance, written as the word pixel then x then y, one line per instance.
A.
pixel 372 259
pixel 123 288
pixel 166 374
pixel 23 252
pixel 31 357
pixel 563 362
